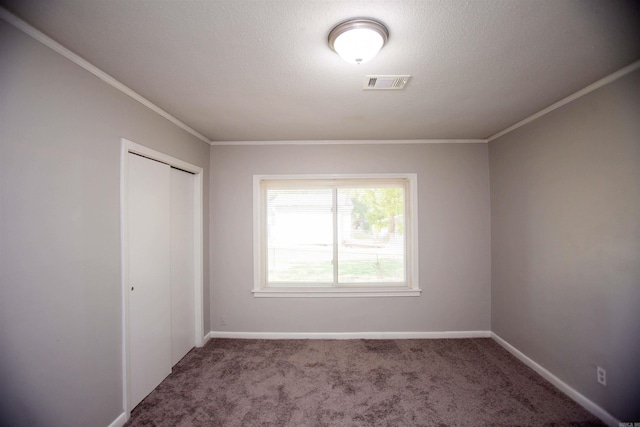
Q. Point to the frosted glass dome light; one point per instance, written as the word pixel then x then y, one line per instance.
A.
pixel 358 40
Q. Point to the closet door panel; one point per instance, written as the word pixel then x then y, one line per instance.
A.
pixel 149 275
pixel 182 264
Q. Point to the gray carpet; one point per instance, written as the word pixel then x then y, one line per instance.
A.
pixel 462 382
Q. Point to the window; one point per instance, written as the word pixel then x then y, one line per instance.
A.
pixel 335 235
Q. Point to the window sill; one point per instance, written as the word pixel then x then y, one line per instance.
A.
pixel 334 292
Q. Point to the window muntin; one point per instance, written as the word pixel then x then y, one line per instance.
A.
pixel 336 233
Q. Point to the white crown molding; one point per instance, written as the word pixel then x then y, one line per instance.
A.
pixel 582 92
pixel 49 42
pixel 347 335
pixel 354 142
pixel 580 399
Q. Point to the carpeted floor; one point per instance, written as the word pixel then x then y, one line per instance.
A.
pixel 457 382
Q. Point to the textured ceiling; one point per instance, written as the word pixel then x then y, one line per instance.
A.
pixel 248 70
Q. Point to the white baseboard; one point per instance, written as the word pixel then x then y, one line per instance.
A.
pixel 580 399
pixel 347 335
pixel 207 338
pixel 119 422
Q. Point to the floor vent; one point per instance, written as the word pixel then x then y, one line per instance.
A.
pixel 385 82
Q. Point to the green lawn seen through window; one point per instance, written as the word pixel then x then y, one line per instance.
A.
pixel 350 271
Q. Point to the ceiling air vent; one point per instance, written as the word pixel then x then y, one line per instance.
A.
pixel 385 82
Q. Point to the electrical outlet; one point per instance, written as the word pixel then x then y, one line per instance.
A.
pixel 602 376
pixel 223 320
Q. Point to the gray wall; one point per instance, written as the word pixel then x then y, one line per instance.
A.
pixel 60 316
pixel 565 221
pixel 453 185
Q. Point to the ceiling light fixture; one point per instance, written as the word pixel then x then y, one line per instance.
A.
pixel 358 40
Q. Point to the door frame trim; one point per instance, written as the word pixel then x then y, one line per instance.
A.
pixel 198 251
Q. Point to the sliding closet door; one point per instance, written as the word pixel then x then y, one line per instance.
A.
pixel 183 334
pixel 149 275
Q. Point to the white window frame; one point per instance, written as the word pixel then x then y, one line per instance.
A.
pixel 411 256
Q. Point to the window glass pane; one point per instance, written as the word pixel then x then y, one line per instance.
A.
pixel 371 235
pixel 299 235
